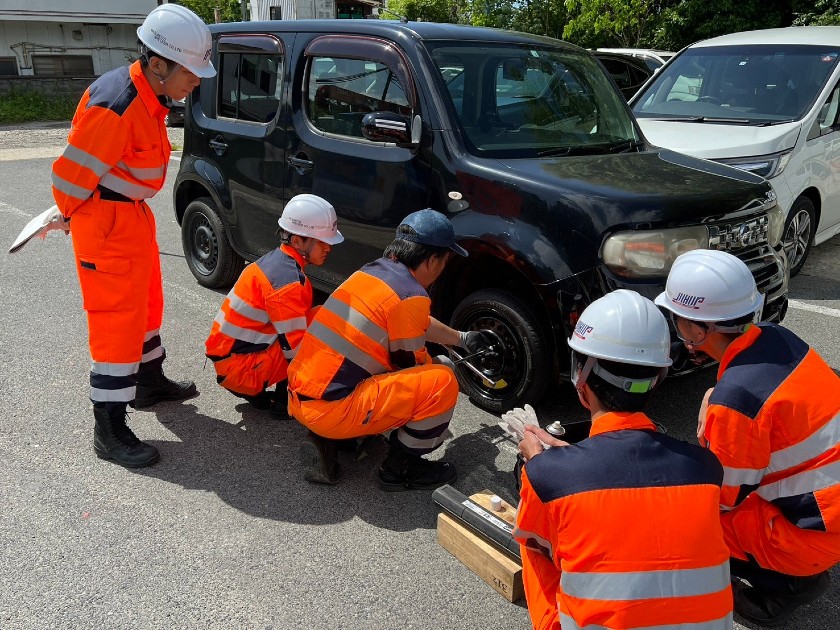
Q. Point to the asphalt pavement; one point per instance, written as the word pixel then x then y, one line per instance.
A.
pixel 223 532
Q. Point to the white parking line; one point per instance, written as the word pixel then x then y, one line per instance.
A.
pixel 814 308
pixel 8 209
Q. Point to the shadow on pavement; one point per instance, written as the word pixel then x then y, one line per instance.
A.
pixel 253 466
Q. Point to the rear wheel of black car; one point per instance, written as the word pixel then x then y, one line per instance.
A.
pixel 799 234
pixel 210 257
pixel 522 362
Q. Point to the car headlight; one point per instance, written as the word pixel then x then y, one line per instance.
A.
pixel 767 166
pixel 776 225
pixel 650 253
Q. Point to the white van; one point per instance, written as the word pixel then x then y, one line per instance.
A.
pixel 766 102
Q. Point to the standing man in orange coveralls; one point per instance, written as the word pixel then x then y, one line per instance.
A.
pixel 116 157
pixel 262 320
pixel 621 530
pixel 363 368
pixel 773 420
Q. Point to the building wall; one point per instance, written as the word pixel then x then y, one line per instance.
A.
pixel 109 46
pixel 104 30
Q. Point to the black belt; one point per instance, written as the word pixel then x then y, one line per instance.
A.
pixel 110 195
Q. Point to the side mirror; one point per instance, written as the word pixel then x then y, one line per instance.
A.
pixel 390 127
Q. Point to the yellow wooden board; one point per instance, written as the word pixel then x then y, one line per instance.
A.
pixel 500 571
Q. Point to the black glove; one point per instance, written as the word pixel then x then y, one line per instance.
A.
pixel 476 340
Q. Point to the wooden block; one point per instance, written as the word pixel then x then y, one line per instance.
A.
pixel 500 571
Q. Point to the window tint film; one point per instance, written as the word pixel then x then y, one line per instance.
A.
pixel 250 86
pixel 342 91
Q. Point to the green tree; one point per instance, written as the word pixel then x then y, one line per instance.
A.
pixel 426 10
pixel 822 13
pixel 231 10
pixel 688 21
pixel 627 23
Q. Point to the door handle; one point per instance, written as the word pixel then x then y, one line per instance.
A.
pixel 219 145
pixel 301 165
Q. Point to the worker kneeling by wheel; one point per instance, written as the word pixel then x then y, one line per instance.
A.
pixel 262 320
pixel 622 529
pixel 362 367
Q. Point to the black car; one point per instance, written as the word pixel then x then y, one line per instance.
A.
pixel 523 141
pixel 628 72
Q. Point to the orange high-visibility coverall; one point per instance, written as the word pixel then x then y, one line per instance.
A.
pixel 773 420
pixel 116 156
pixel 622 531
pixel 362 367
pixel 261 323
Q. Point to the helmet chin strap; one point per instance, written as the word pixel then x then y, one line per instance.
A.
pixel 163 80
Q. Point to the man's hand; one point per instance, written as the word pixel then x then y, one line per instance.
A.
pixel 476 340
pixel 536 440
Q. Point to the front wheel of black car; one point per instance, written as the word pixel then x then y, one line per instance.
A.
pixel 518 368
pixel 209 254
pixel 799 234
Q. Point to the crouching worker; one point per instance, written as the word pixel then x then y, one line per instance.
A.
pixel 262 320
pixel 363 368
pixel 622 529
pixel 773 420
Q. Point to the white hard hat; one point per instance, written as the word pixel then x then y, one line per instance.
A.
pixel 176 33
pixel 311 216
pixel 623 327
pixel 707 285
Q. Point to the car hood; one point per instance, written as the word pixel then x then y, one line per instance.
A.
pixel 719 141
pixel 573 203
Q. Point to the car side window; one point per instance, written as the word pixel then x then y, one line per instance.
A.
pixel 342 91
pixel 250 86
pixel 827 118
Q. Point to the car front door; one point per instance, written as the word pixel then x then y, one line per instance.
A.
pixel 372 185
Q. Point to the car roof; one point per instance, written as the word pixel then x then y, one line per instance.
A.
pixel 426 31
pixel 813 35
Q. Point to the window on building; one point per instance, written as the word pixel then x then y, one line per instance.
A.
pixel 250 86
pixel 62 65
pixel 275 13
pixel 8 67
pixel 350 11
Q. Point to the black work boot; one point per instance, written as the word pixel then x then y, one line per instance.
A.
pixel 112 439
pixel 403 470
pixel 774 609
pixel 155 387
pixel 318 457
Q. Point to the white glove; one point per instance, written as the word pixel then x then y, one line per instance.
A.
pixel 514 421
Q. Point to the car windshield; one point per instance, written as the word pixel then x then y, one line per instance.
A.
pixel 524 101
pixel 755 84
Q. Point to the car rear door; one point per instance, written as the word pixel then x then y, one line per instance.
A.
pixel 244 137
pixel 372 185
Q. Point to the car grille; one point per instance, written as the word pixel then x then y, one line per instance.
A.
pixel 730 237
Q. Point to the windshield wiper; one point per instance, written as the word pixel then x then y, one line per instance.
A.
pixel 593 149
pixel 704 119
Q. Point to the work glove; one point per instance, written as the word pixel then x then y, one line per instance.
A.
pixel 475 340
pixel 514 421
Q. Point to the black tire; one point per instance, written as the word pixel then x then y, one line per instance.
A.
pixel 209 254
pixel 524 362
pixel 798 238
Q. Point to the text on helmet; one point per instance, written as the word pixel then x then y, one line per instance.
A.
pixel 689 301
pixel 582 329
pixel 162 39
